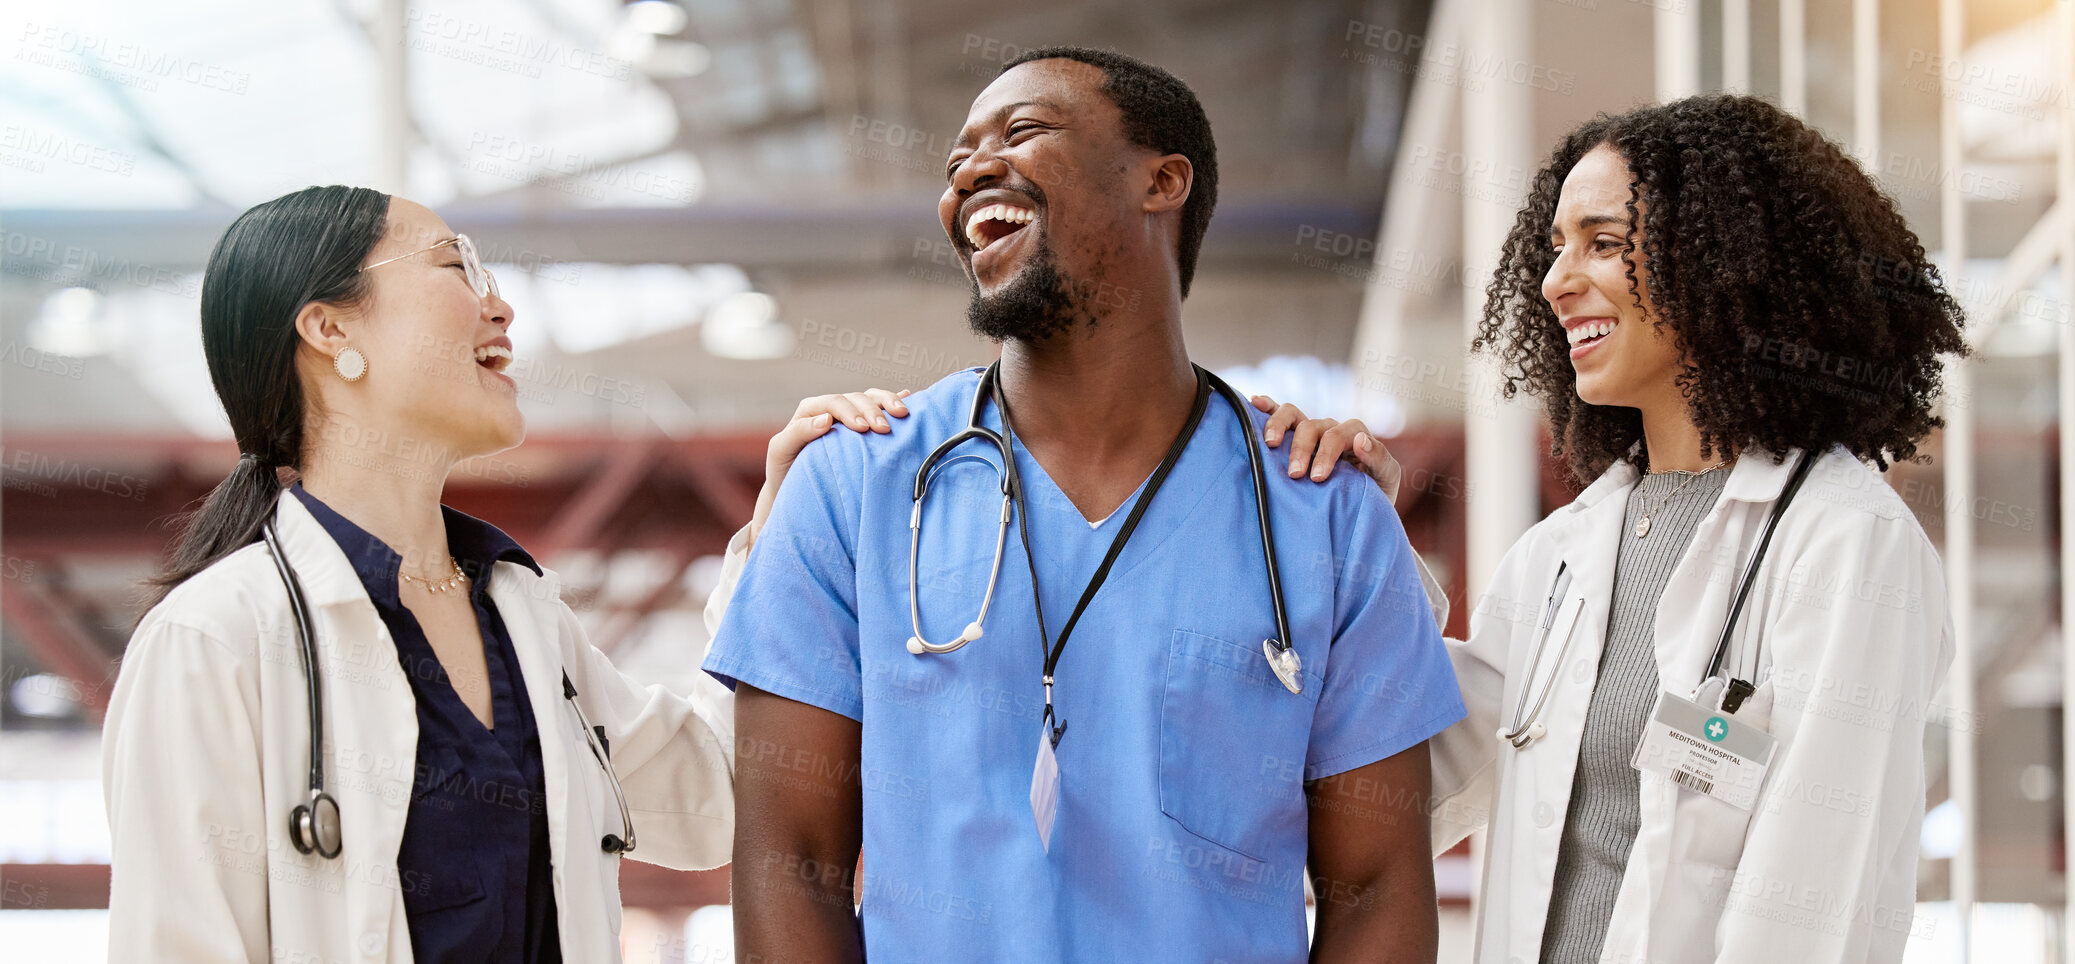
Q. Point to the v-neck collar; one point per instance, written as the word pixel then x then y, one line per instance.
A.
pixel 1053 490
pixel 477 545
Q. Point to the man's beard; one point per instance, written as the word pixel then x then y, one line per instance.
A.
pixel 1039 303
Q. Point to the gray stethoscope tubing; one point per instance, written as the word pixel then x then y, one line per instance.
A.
pixel 973 630
pixel 313 826
pixel 594 737
pixel 1281 642
pixel 1735 690
pixel 1528 728
pixel 1011 484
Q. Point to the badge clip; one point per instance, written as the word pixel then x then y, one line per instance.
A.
pixel 1733 697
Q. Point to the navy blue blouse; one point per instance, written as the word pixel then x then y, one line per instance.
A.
pixel 474 866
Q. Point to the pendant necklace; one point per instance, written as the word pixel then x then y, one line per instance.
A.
pixel 1643 524
pixel 457 578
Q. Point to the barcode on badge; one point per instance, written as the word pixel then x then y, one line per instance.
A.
pixel 1691 782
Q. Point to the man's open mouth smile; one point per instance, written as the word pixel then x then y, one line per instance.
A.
pixel 991 228
pixel 993 222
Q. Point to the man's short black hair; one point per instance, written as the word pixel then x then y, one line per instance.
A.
pixel 1162 115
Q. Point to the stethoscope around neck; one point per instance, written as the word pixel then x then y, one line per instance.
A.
pixel 1527 724
pixel 1011 495
pixel 313 826
pixel 1282 657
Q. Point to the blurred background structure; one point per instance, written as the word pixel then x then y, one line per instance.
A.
pixel 704 210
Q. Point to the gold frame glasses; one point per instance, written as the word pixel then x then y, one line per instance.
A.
pixel 480 280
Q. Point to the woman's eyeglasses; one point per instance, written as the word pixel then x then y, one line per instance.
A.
pixel 480 280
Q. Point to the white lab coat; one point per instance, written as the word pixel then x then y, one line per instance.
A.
pixel 206 751
pixel 1848 636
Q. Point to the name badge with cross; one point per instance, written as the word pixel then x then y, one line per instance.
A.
pixel 1705 750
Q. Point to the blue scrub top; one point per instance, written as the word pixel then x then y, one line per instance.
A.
pixel 1181 827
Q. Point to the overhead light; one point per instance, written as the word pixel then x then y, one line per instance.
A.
pixel 745 327
pixel 630 44
pixel 1313 384
pixel 639 39
pixel 1943 829
pixel 658 17
pixel 45 696
pixel 677 59
pixel 71 323
pixel 616 303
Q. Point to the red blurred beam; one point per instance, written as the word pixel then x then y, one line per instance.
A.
pixel 53 632
pixel 585 515
pixel 53 887
pixel 722 485
pixel 624 622
pixel 73 500
pixel 85 886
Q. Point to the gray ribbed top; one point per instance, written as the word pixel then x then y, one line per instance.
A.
pixel 1601 823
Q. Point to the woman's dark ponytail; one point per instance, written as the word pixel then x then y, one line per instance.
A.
pixel 274 259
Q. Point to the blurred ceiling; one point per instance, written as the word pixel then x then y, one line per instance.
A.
pixel 546 105
pixel 631 169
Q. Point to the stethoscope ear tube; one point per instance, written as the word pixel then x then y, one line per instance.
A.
pixel 1280 652
pixel 313 827
pixel 594 737
pixel 1527 726
pixel 1527 723
pixel 1260 474
pixel 1281 655
pixel 917 644
pixel 1736 690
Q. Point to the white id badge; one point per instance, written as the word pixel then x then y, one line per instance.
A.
pixel 1044 787
pixel 1704 750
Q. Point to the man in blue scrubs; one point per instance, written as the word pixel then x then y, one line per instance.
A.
pixel 1194 790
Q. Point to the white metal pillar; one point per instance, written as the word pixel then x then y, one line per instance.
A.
pixel 1499 437
pixel 392 104
pixel 1866 84
pixel 2065 199
pixel 1384 330
pixel 1794 58
pixel 1677 27
pixel 1736 46
pixel 1959 483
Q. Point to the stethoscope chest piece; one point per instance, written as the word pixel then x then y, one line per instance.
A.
pixel 1288 666
pixel 314 827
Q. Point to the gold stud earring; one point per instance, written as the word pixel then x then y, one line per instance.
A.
pixel 350 364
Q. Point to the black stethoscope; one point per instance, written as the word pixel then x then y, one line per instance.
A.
pixel 313 826
pixel 1527 726
pixel 1282 657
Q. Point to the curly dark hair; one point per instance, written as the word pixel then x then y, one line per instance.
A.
pixel 1805 308
pixel 1162 115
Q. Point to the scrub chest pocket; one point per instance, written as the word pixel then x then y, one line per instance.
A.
pixel 1232 743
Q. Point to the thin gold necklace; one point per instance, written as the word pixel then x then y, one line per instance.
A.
pixel 1643 524
pixel 457 578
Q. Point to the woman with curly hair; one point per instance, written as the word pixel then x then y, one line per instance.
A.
pixel 1723 316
